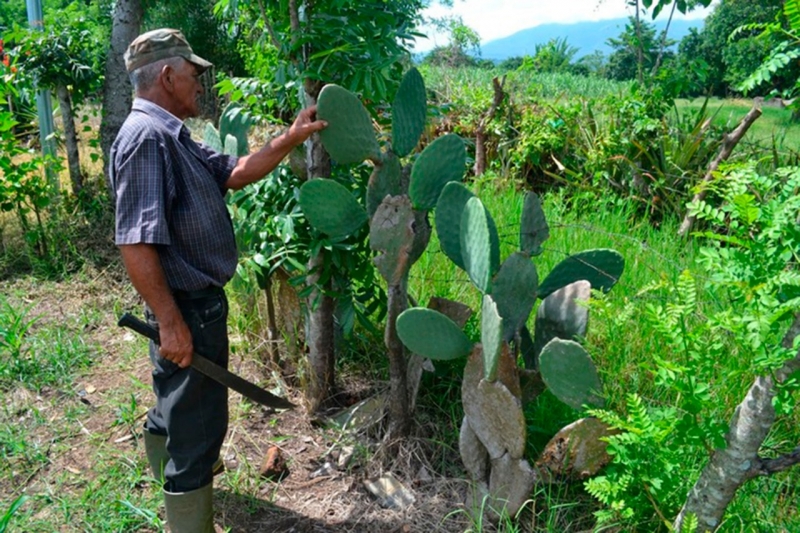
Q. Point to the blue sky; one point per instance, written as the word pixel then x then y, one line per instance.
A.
pixel 493 19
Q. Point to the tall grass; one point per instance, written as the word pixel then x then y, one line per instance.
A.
pixel 622 343
pixel 462 85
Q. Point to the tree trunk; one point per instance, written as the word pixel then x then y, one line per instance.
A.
pixel 117 90
pixel 399 417
pixel 70 138
pixel 320 338
pixel 732 466
pixel 480 134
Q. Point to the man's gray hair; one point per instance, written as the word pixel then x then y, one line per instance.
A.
pixel 144 77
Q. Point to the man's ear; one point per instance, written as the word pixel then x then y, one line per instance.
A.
pixel 167 77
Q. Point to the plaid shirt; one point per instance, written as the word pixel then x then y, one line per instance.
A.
pixel 169 191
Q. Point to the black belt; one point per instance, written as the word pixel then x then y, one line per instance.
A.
pixel 199 293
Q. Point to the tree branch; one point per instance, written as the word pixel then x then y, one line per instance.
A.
pixel 728 143
pixel 767 467
pixel 267 24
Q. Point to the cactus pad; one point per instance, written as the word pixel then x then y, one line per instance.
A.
pixel 211 137
pixel 570 373
pixel 235 121
pixel 451 205
pixel 431 334
pixel 391 233
pixel 408 113
pixel 514 290
pixel 562 315
pixel 533 228
pixel 491 337
pixel 231 145
pixel 441 162
pixel 480 245
pixel 350 136
pixel 330 208
pixel 384 181
pixel 602 268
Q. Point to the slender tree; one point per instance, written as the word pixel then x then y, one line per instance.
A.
pixel 117 89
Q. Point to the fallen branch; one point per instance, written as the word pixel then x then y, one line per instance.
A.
pixel 728 143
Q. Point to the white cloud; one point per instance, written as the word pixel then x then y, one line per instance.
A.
pixel 493 19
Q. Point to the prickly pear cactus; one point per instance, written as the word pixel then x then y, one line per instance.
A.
pixel 236 122
pixel 493 431
pixel 331 208
pixel 350 136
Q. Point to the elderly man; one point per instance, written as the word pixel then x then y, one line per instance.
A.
pixel 177 243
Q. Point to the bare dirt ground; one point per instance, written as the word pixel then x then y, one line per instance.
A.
pixel 334 502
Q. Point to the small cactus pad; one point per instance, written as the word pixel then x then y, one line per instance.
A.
pixel 494 414
pixel 456 311
pixel 578 450
pixel 431 334
pixel 533 228
pixel 510 484
pixel 350 136
pixel 235 121
pixel 330 208
pixel 384 181
pixel 422 236
pixel 491 337
pixel 473 453
pixel 408 113
pixel 480 245
pixel 451 205
pixel 570 373
pixel 441 162
pixel 231 145
pixel 514 290
pixel 602 268
pixel 562 315
pixel 211 137
pixel 390 232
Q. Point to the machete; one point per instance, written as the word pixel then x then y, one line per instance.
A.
pixel 212 370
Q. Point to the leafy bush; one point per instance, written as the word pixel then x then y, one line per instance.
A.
pixel 748 274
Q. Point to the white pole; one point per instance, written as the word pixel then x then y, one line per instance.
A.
pixel 43 106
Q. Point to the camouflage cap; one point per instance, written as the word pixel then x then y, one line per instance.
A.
pixel 161 44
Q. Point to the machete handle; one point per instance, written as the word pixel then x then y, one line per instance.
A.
pixel 139 326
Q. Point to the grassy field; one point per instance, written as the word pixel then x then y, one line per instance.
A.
pixel 73 390
pixel 774 125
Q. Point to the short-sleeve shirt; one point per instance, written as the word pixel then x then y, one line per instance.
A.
pixel 169 192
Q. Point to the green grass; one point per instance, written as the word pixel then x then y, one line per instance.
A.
pixel 620 340
pixel 118 495
pixel 773 125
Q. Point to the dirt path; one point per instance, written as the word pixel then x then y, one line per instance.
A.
pixel 88 434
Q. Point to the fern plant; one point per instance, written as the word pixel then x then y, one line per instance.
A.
pixel 717 344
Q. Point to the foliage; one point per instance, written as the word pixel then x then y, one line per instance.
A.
pixel 5 520
pixel 463 44
pixel 747 266
pixel 202 29
pixel 68 52
pixel 371 40
pixel 781 57
pixel 638 37
pixel 556 55
pixel 728 62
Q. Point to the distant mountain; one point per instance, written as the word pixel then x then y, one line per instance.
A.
pixel 586 36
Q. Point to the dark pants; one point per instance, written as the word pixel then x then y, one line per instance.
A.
pixel 192 409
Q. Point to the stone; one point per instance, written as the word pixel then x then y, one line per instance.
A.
pixel 577 451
